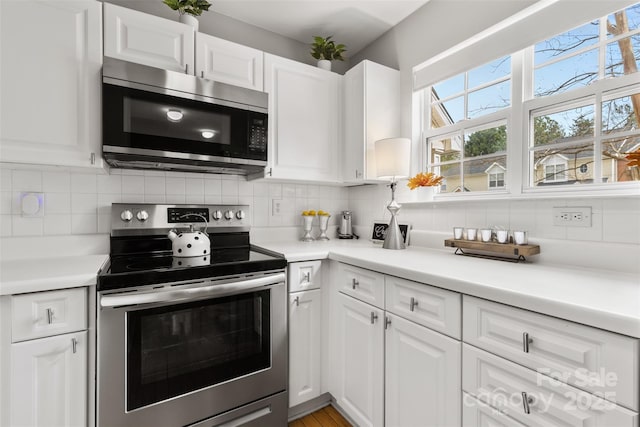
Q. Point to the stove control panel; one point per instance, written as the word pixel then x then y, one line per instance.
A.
pixel 135 218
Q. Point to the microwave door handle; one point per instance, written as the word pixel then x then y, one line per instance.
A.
pixel 215 290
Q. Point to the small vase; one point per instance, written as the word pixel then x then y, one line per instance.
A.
pixel 324 64
pixel 324 224
pixel 422 194
pixel 308 225
pixel 185 18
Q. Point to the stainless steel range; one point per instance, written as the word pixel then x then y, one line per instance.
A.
pixel 190 340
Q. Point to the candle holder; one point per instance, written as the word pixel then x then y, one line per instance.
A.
pixel 307 226
pixel 323 224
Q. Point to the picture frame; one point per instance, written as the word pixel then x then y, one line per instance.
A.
pixel 379 228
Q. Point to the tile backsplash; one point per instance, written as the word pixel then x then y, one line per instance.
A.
pixel 80 203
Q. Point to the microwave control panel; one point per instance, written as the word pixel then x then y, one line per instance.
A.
pixel 258 134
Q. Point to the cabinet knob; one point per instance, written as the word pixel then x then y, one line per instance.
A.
pixel 74 345
pixel 93 158
pixel 186 68
pixel 387 322
pixel 297 301
pixel 526 341
pixel 354 283
pixel 413 304
pixel 374 317
pixel 526 401
pixel 307 277
pixel 50 315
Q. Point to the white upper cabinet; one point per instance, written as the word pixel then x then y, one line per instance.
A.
pixel 304 121
pixel 149 40
pixel 51 59
pixel 228 62
pixel 371 98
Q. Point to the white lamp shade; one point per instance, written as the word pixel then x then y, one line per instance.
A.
pixel 393 157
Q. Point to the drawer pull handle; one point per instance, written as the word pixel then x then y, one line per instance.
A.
pixel 354 283
pixel 307 277
pixel 49 315
pixel 374 317
pixel 297 301
pixel 74 345
pixel 387 322
pixel 526 341
pixel 413 304
pixel 526 401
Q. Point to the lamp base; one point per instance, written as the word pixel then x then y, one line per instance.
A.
pixel 393 238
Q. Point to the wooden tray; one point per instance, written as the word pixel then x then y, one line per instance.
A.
pixel 501 250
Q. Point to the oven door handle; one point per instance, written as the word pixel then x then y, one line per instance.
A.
pixel 215 290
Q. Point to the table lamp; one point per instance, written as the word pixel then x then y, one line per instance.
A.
pixel 393 160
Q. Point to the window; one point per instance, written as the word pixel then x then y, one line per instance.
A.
pixel 577 97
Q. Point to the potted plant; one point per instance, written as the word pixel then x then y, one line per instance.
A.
pixel 188 10
pixel 326 50
pixel 424 184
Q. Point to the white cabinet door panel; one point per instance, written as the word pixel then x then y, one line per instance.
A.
pixel 360 347
pixel 49 381
pixel 228 62
pixel 50 82
pixel 305 318
pixel 145 39
pixel 422 370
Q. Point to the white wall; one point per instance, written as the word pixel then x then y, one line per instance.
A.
pixel 79 203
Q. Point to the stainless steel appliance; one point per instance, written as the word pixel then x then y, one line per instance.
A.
pixel 344 229
pixel 197 341
pixel 159 119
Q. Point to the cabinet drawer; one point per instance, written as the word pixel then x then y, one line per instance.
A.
pixel 44 314
pixel 600 362
pixel 365 285
pixel 507 386
pixel 478 414
pixel 305 275
pixel 434 308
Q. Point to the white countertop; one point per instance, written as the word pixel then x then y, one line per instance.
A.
pixel 43 274
pixel 599 298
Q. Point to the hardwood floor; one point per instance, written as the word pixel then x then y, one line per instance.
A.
pixel 325 417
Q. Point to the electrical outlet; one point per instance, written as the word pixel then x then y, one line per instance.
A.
pixel 572 216
pixel 276 207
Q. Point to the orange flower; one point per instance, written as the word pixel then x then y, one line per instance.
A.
pixel 634 158
pixel 428 179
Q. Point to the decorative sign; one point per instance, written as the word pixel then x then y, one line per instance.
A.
pixel 379 230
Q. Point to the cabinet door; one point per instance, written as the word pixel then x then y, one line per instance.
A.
pixel 305 318
pixel 360 353
pixel 145 39
pixel 228 62
pixel 51 56
pixel 304 111
pixel 422 376
pixel 305 275
pixel 49 381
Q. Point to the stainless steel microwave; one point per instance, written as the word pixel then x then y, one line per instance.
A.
pixel 159 119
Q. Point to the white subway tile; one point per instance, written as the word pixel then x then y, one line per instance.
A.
pixel 84 223
pixel 476 215
pixel 5 225
pixel 245 200
pixel 229 188
pixel 175 198
pixel 245 188
pixel 522 216
pixel 498 214
pixel 621 220
pixel 22 226
pixel 260 209
pixel 104 223
pixel 57 224
pixel 154 185
pixel 230 200
pixel 26 180
pixel 84 203
pixel 313 191
pixel 288 191
pixel 132 172
pixel 133 198
pixel 275 190
pixel 212 199
pixel 194 198
pixel 154 198
pixel 260 189
pixel 301 191
pixel 225 177
pixel 175 185
pixel 593 233
pixel 213 186
pixel 132 184
pixel 84 183
pixel 105 201
pixel 56 182
pixel 57 203
pixel 5 180
pixel 110 184
pixel 195 187
pixel 6 202
pixel 154 173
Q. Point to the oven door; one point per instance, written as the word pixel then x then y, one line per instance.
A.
pixel 167 125
pixel 173 357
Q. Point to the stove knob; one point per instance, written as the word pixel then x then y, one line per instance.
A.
pixel 126 215
pixel 216 215
pixel 240 214
pixel 142 216
pixel 228 215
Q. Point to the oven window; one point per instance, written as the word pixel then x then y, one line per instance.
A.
pixel 175 121
pixel 185 347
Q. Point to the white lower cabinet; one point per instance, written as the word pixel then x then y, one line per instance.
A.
pixel 422 376
pixel 478 414
pixel 49 381
pixel 305 318
pixel 359 353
